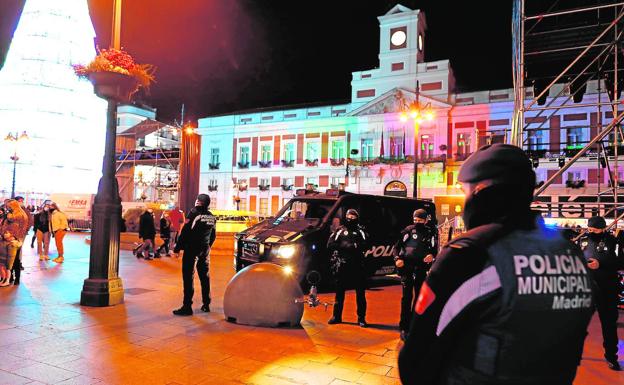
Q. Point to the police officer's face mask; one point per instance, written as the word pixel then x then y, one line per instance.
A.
pixel 419 222
pixel 351 220
pixel 595 234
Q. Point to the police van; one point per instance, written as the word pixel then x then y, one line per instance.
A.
pixel 296 237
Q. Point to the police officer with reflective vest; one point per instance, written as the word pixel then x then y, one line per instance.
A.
pixel 599 248
pixel 509 301
pixel 346 246
pixel 196 238
pixel 415 251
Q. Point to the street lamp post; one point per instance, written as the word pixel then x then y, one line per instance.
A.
pixel 417 113
pixel 15 138
pixel 104 287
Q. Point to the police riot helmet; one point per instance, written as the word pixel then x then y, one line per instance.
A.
pixel 352 212
pixel 500 181
pixel 420 213
pixel 204 199
pixel 597 222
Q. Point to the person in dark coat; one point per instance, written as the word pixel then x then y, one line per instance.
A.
pixel 346 246
pixel 196 238
pixel 147 232
pixel 415 251
pixel 509 301
pixel 165 234
pixel 599 248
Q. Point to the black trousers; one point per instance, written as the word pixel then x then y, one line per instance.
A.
pixel 17 267
pixel 164 246
pixel 411 284
pixel 606 305
pixel 358 282
pixel 189 260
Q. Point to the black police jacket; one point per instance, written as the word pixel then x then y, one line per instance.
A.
pixel 199 231
pixel 413 246
pixel 603 249
pixel 501 305
pixel 349 245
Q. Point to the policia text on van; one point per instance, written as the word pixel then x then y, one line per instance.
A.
pixel 297 236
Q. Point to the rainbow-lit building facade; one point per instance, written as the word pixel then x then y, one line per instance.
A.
pixel 257 159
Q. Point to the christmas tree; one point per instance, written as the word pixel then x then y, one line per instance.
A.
pixel 40 94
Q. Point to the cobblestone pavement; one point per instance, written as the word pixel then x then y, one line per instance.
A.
pixel 46 337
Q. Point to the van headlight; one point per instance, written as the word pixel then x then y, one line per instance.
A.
pixel 286 252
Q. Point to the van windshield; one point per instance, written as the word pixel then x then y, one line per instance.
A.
pixel 305 209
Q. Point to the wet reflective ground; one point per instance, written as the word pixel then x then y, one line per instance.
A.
pixel 46 337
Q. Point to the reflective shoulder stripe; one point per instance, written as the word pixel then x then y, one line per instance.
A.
pixel 337 235
pixel 363 235
pixel 481 284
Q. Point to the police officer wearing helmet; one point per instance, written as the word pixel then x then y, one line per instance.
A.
pixel 415 251
pixel 346 246
pixel 509 301
pixel 196 238
pixel 599 248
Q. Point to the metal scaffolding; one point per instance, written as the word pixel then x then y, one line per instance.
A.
pixel 572 43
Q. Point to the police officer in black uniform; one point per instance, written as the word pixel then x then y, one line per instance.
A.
pixel 196 238
pixel 346 246
pixel 509 301
pixel 599 248
pixel 415 251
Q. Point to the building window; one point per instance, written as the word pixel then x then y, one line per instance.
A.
pixel 213 203
pixel 463 144
pixel 426 147
pixel 289 152
pixel 535 140
pixel 336 181
pixel 396 146
pixel 266 153
pixel 312 181
pixel 338 151
pixel 264 182
pixel 214 156
pixel 264 207
pixel 244 155
pixel 243 204
pixel 312 151
pixel 575 138
pixel 574 176
pixel 367 149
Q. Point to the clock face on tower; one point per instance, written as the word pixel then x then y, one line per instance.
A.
pixel 398 38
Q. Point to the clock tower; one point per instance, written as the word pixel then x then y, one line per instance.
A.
pixel 402 63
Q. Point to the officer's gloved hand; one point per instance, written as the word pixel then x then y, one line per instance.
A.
pixel 593 263
pixel 399 263
pixel 428 258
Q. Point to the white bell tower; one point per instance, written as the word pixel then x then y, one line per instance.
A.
pixel 402 42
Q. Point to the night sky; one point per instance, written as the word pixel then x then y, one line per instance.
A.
pixel 220 56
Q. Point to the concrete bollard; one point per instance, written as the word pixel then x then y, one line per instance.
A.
pixel 263 294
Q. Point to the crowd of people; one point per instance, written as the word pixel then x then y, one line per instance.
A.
pixel 169 226
pixel 16 220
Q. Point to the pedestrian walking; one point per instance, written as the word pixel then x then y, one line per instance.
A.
pixel 13 229
pixel 196 238
pixel 176 216
pixel 415 251
pixel 165 234
pixel 346 248
pixel 509 301
pixel 42 232
pixel 58 228
pixel 599 248
pixel 147 232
